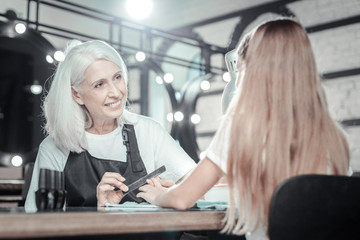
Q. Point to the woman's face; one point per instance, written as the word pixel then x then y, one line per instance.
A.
pixel 103 91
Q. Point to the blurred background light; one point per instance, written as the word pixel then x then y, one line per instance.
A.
pixel 178 116
pixel 140 56
pixel 139 9
pixel 226 77
pixel 59 56
pixel 202 155
pixel 195 118
pixel 36 89
pixel 205 85
pixel 178 95
pixel 168 78
pixel 49 59
pixel 159 80
pixel 170 117
pixel 20 28
pixel 16 161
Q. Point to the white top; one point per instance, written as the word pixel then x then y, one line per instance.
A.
pixel 156 148
pixel 219 146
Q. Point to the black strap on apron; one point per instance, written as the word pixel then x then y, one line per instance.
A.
pixel 83 172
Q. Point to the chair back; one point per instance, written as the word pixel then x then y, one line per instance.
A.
pixel 316 207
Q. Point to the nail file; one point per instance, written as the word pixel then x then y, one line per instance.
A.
pixel 141 181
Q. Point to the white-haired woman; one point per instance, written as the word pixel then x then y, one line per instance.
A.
pixel 93 139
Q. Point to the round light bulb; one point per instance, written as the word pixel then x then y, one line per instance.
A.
pixel 36 89
pixel 178 116
pixel 140 56
pixel 168 78
pixel 202 155
pixel 205 85
pixel 20 28
pixel 170 117
pixel 226 77
pixel 59 56
pixel 195 118
pixel 139 9
pixel 159 80
pixel 49 59
pixel 178 95
pixel 16 161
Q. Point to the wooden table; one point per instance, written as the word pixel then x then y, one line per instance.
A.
pixel 15 223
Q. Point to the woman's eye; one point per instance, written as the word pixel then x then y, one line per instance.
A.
pixel 98 85
pixel 118 76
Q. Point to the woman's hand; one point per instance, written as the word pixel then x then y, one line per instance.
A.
pixel 153 191
pixel 164 182
pixel 105 189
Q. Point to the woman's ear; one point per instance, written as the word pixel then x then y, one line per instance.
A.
pixel 76 96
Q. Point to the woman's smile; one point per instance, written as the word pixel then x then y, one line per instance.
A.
pixel 114 104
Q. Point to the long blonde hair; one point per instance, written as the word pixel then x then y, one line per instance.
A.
pixel 281 126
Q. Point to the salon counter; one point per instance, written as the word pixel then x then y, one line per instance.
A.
pixel 10 186
pixel 16 224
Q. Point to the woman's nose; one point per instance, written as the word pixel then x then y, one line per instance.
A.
pixel 114 91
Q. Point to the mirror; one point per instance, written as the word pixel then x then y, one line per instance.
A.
pixel 24 68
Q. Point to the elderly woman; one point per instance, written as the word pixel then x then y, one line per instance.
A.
pixel 93 139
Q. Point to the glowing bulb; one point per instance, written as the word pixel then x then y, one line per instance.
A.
pixel 140 56
pixel 49 59
pixel 202 155
pixel 205 85
pixel 36 89
pixel 178 116
pixel 170 117
pixel 59 56
pixel 139 9
pixel 226 77
pixel 20 28
pixel 195 118
pixel 159 80
pixel 168 78
pixel 178 95
pixel 16 161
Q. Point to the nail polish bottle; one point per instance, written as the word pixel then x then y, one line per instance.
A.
pixel 63 190
pixel 50 182
pixel 42 193
pixel 59 190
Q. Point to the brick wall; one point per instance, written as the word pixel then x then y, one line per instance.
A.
pixel 336 49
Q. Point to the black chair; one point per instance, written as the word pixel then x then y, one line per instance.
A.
pixel 316 207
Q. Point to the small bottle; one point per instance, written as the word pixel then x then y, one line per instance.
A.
pixel 50 182
pixel 59 190
pixel 42 193
pixel 63 189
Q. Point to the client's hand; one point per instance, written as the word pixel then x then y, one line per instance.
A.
pixel 105 189
pixel 164 182
pixel 153 191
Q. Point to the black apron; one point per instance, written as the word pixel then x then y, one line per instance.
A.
pixel 83 172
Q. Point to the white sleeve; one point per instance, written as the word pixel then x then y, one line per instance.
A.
pixel 169 153
pixel 218 149
pixel 49 157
